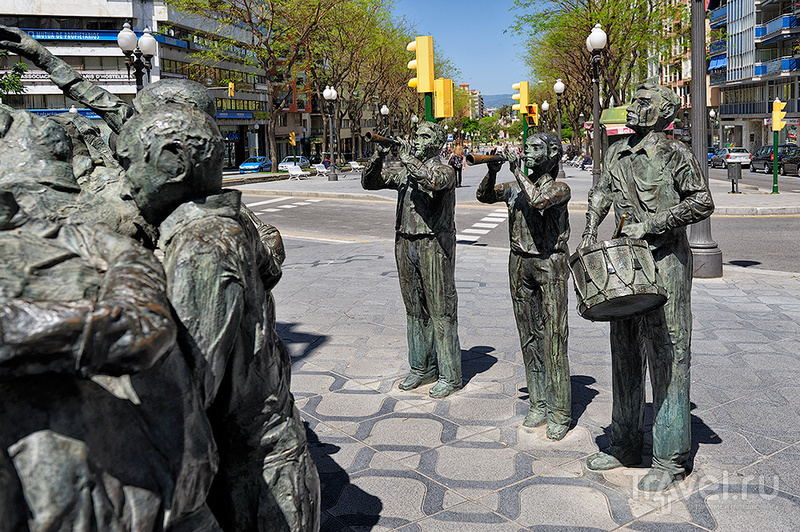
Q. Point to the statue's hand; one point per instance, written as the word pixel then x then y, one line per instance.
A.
pixel 404 151
pixel 494 167
pixel 635 231
pixel 514 161
pixel 588 240
pixel 17 41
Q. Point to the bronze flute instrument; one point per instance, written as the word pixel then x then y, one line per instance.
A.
pixel 476 158
pixel 380 139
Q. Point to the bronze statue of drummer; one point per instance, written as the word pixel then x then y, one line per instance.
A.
pixel 537 268
pixel 658 184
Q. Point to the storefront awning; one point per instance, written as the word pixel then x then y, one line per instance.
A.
pixel 718 62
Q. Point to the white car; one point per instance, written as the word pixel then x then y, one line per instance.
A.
pixel 293 160
pixel 725 156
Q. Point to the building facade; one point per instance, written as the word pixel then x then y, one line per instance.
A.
pixel 84 35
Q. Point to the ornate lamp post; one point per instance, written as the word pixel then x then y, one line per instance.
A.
pixel 385 114
pixel 330 96
pixel 558 88
pixel 136 49
pixel 544 107
pixel 595 43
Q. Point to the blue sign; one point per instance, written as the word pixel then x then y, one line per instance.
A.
pixel 172 41
pixel 449 137
pixel 234 114
pixel 72 35
pixel 88 113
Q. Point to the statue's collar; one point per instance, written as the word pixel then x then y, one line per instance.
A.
pixel 226 204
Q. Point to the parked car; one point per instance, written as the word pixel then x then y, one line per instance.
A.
pixel 711 151
pixel 726 156
pixel 255 164
pixel 293 160
pixel 790 163
pixel 763 157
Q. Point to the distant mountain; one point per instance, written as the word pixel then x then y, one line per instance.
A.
pixel 497 100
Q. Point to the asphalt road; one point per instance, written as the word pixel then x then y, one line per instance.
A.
pixel 758 242
pixel 760 180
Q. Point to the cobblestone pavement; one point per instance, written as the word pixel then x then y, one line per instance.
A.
pixel 390 459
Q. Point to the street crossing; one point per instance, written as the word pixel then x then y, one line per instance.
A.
pixel 472 234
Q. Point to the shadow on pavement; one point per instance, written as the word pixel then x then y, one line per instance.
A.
pixel 472 365
pixel 361 509
pixel 300 344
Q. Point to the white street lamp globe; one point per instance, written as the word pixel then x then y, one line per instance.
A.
pixel 545 106
pixel 558 88
pixel 384 110
pixel 147 44
pixel 414 118
pixel 597 39
pixel 334 94
pixel 327 92
pixel 126 39
pixel 712 113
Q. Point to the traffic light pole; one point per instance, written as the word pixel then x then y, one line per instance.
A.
pixel 775 162
pixel 429 107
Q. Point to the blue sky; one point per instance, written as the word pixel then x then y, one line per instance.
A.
pixel 470 33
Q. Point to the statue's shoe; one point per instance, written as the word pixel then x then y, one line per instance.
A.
pixel 658 479
pixel 557 432
pixel 536 417
pixel 442 389
pixel 601 461
pixel 415 381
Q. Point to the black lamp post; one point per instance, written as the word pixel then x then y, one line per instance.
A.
pixel 558 88
pixel 330 96
pixel 136 49
pixel 595 43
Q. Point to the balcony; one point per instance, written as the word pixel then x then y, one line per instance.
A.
pixel 717 78
pixel 776 26
pixel 718 47
pixel 718 17
pixel 776 66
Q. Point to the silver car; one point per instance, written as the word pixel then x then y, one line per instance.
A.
pixel 725 156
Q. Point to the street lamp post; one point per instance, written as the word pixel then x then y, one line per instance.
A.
pixel 544 107
pixel 712 114
pixel 136 49
pixel 558 88
pixel 330 95
pixel 385 114
pixel 595 43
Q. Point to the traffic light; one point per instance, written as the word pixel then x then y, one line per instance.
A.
pixel 292 140
pixel 777 115
pixel 230 89
pixel 521 97
pixel 423 64
pixel 533 115
pixel 443 98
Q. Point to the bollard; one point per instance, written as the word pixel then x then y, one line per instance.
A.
pixel 734 174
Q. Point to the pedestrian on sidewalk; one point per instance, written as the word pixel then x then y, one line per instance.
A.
pixel 538 228
pixel 456 161
pixel 425 251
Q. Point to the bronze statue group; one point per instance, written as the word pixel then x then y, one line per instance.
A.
pixel 144 385
pixel 656 187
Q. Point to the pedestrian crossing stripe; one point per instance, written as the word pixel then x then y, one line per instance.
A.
pixel 265 202
pixel 476 231
pixel 470 238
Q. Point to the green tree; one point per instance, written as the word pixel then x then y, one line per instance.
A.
pixel 273 36
pixel 11 81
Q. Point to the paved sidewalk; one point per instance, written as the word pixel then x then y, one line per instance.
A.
pixel 751 201
pixel 390 459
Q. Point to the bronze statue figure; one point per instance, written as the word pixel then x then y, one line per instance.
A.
pixel 538 230
pixel 658 185
pixel 425 247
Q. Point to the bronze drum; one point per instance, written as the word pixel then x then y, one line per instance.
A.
pixel 615 279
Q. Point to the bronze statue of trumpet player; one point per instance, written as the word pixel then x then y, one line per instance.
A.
pixel 538 229
pixel 425 247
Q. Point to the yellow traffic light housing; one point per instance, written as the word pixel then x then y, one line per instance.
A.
pixel 443 98
pixel 231 87
pixel 292 139
pixel 777 115
pixel 423 64
pixel 522 97
pixel 533 115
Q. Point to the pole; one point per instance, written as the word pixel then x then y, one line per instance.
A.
pixel 595 118
pixel 561 175
pixel 332 176
pixel 775 162
pixel 429 107
pixel 706 255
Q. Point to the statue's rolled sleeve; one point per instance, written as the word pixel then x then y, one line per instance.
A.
pixel 600 201
pixel 374 177
pixel 695 203
pixel 434 178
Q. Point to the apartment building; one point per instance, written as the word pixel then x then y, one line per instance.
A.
pixel 753 59
pixel 84 35
pixel 476 107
